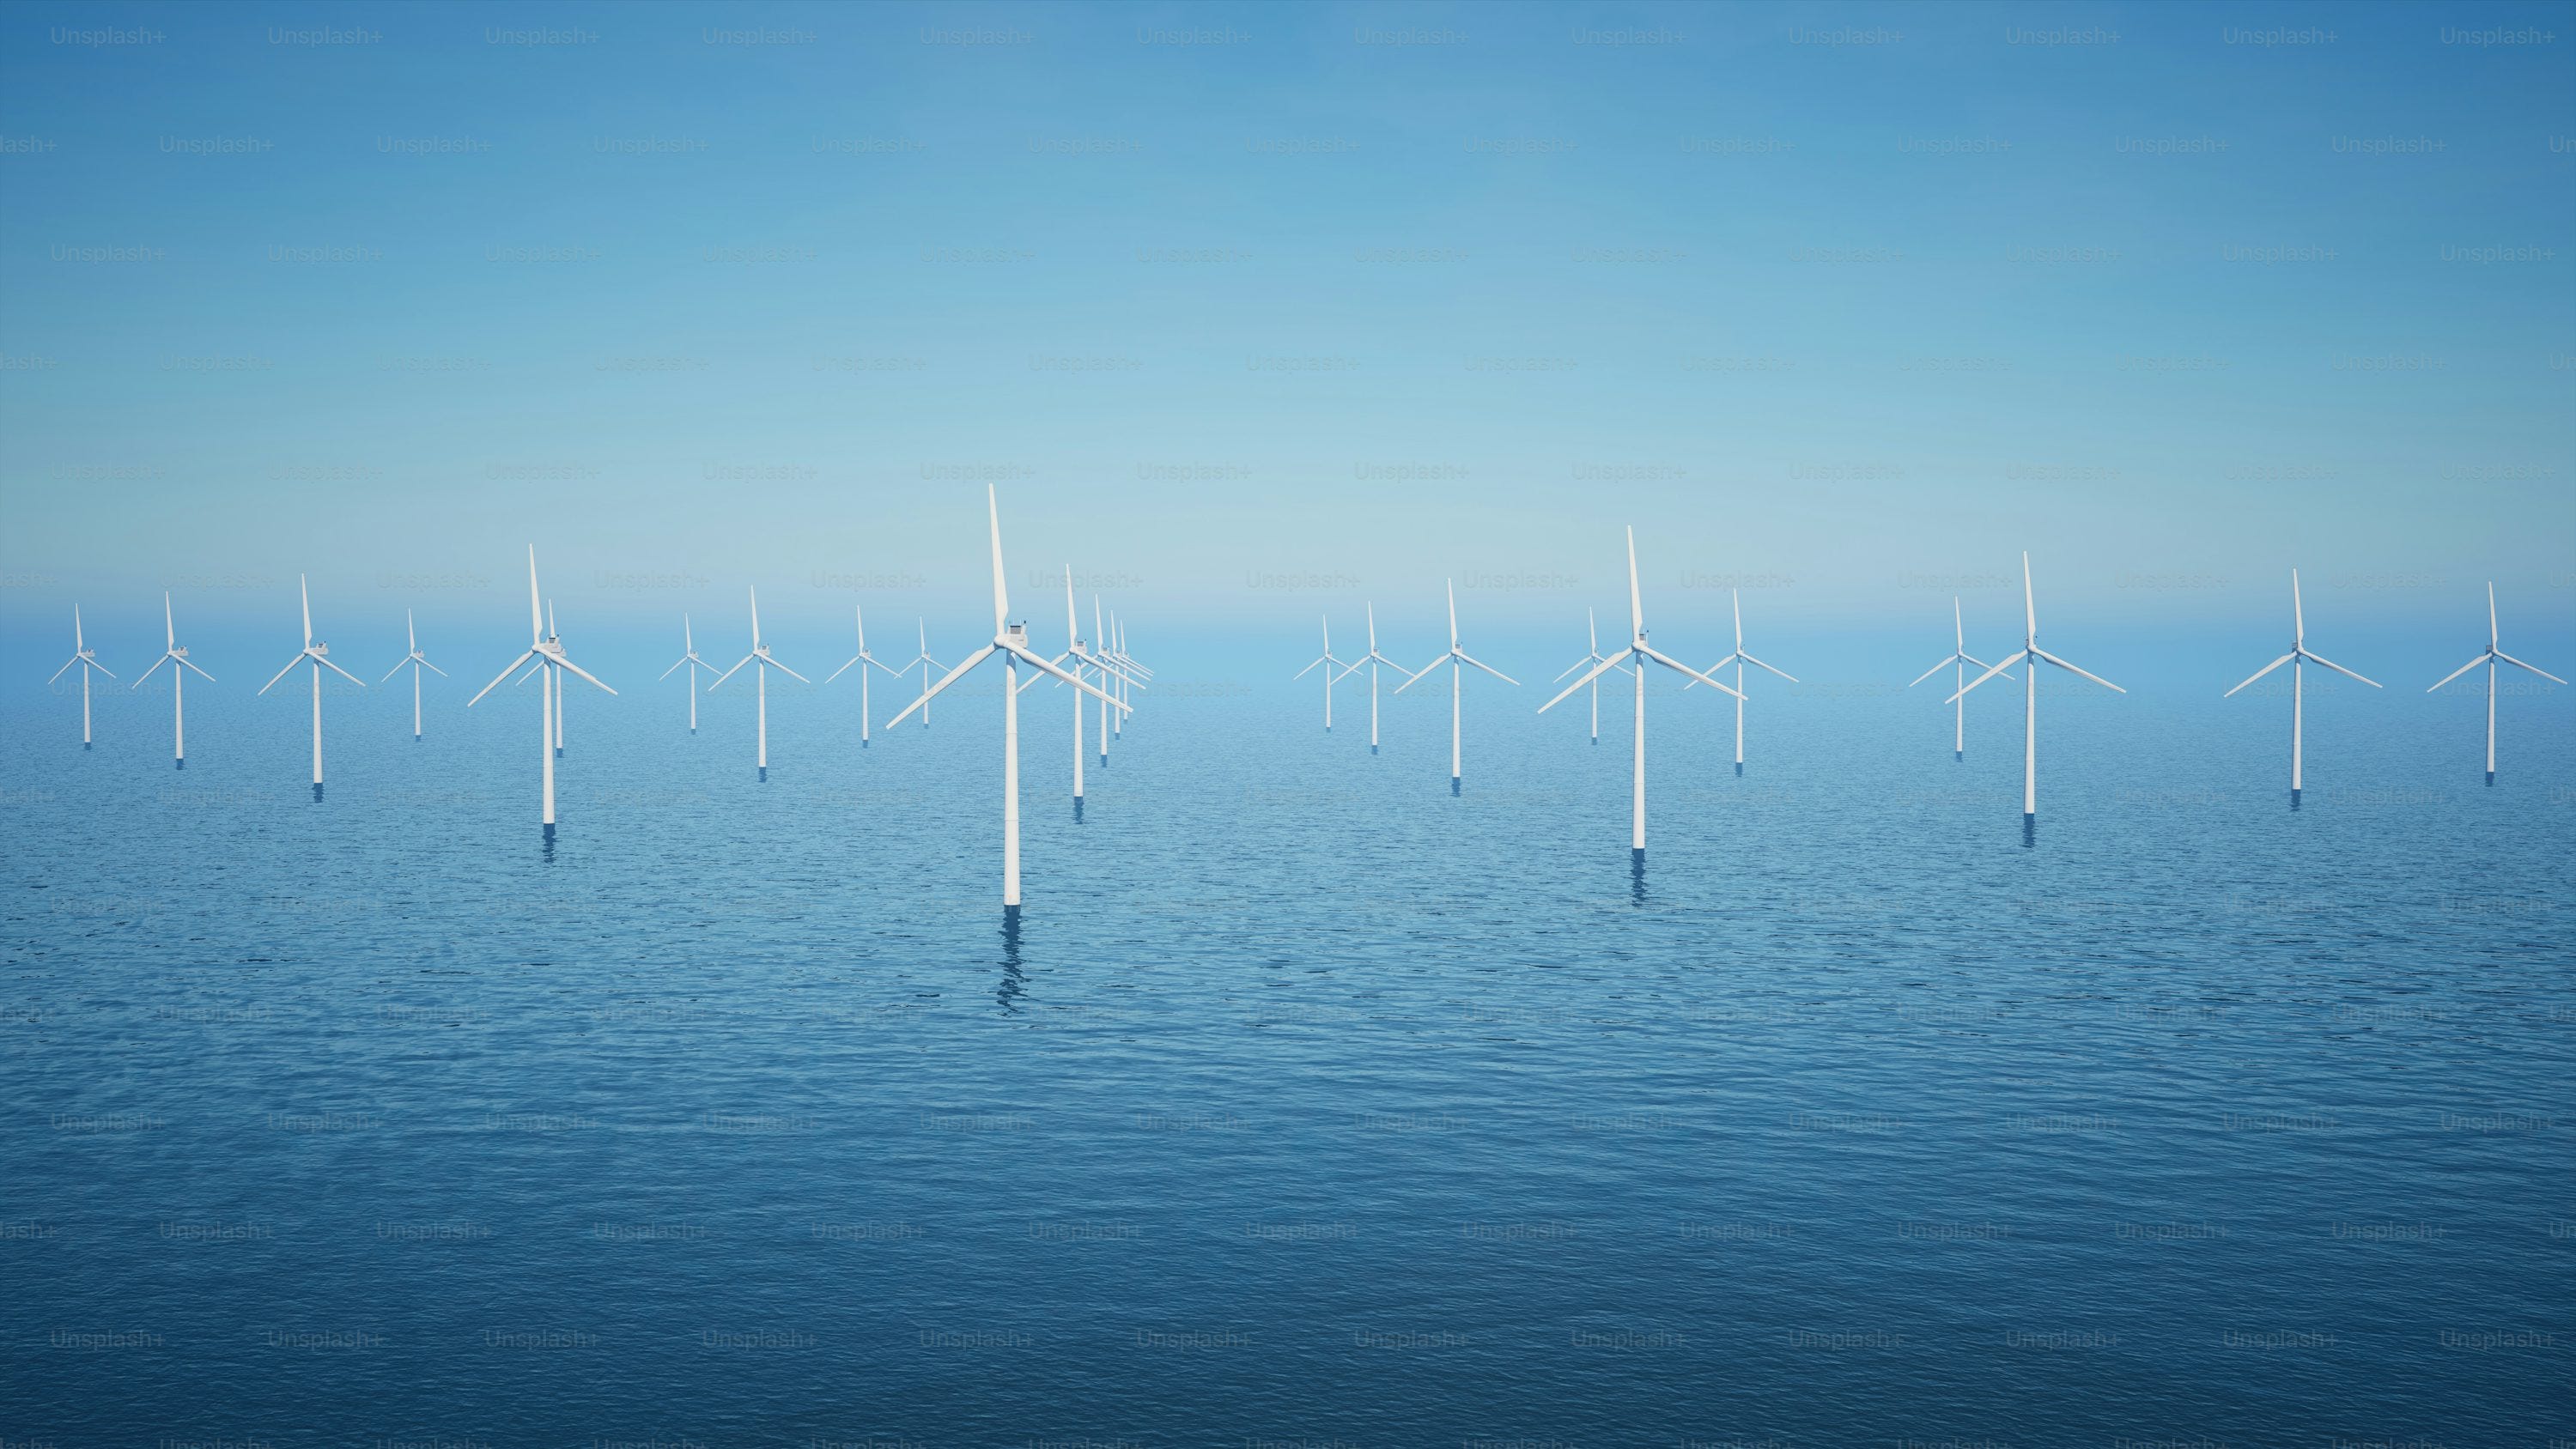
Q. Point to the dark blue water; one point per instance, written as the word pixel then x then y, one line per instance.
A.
pixel 1308 1103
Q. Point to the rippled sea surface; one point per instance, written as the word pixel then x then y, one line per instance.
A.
pixel 1308 1102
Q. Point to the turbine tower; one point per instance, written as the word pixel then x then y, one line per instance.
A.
pixel 1457 659
pixel 689 657
pixel 87 659
pixel 417 660
pixel 1591 655
pixel 2034 656
pixel 2298 659
pixel 1634 658
pixel 549 651
pixel 1329 676
pixel 1373 659
pixel 1011 641
pixel 1739 659
pixel 1959 661
pixel 2491 658
pixel 760 654
pixel 554 678
pixel 319 655
pixel 176 656
pixel 862 657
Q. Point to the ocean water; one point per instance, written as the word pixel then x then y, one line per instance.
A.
pixel 1306 1102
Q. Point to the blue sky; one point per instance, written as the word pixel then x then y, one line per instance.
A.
pixel 1849 302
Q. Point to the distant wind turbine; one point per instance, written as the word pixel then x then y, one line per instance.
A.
pixel 862 657
pixel 1011 641
pixel 759 654
pixel 689 657
pixel 927 664
pixel 2298 659
pixel 418 662
pixel 178 657
pixel 1373 659
pixel 1959 661
pixel 1329 676
pixel 551 651
pixel 1077 649
pixel 87 659
pixel 319 656
pixel 2031 653
pixel 1634 658
pixel 2491 658
pixel 1591 655
pixel 1739 659
pixel 1457 659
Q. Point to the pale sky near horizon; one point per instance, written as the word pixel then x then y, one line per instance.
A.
pixel 1255 311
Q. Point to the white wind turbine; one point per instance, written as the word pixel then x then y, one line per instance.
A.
pixel 863 657
pixel 548 651
pixel 1329 676
pixel 2033 655
pixel 1739 659
pixel 1634 658
pixel 927 664
pixel 1959 661
pixel 1135 672
pixel 554 677
pixel 1079 650
pixel 1591 655
pixel 174 655
pixel 1457 659
pixel 689 657
pixel 1011 641
pixel 2491 658
pixel 87 659
pixel 418 662
pixel 2298 659
pixel 1373 659
pixel 760 654
pixel 1106 652
pixel 319 656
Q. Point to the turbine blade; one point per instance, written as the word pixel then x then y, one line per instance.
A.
pixel 790 673
pixel 536 615
pixel 1489 669
pixel 1309 669
pixel 1453 612
pixel 951 677
pixel 200 673
pixel 1991 671
pixel 584 673
pixel 2339 669
pixel 2029 609
pixel 304 591
pixel 1086 686
pixel 2298 613
pixel 2456 673
pixel 2500 654
pixel 1671 663
pixel 434 669
pixel 1604 667
pixel 167 626
pixel 496 679
pixel 298 659
pixel 75 659
pixel 390 673
pixel 1419 673
pixel 837 673
pixel 728 674
pixel 1636 607
pixel 1001 593
pixel 336 669
pixel 1937 668
pixel 2266 669
pixel 2071 669
pixel 1784 674
pixel 667 673
pixel 155 669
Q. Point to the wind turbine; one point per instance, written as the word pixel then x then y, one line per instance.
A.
pixel 545 650
pixel 927 664
pixel 1373 659
pixel 554 678
pixel 1106 651
pixel 2298 659
pixel 417 660
pixel 1457 659
pixel 2492 657
pixel 319 655
pixel 862 657
pixel 87 659
pixel 1591 655
pixel 2031 653
pixel 1011 641
pixel 1078 650
pixel 1118 654
pixel 1959 660
pixel 1739 659
pixel 689 657
pixel 1329 676
pixel 1634 658
pixel 760 652
pixel 174 655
